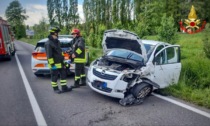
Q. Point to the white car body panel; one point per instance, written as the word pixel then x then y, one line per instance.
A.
pixel 172 69
pixel 162 74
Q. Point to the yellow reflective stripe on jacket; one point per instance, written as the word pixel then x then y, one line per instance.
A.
pixel 78 51
pixel 49 66
pixel 80 60
pixel 62 54
pixel 76 78
pixel 58 65
pixel 82 75
pixel 51 61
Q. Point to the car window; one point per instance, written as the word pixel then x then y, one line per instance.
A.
pixel 168 56
pixel 40 47
pixel 126 55
pixel 172 55
pixel 149 49
pixel 119 53
pixel 136 58
pixel 159 48
pixel 65 45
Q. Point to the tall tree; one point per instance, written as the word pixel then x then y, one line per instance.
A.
pixel 58 11
pixel 73 12
pixel 114 11
pixel 15 15
pixel 50 9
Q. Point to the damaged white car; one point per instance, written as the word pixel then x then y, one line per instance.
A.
pixel 131 68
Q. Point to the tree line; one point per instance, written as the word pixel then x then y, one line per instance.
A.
pixel 144 17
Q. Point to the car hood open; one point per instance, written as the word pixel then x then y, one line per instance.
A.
pixel 122 39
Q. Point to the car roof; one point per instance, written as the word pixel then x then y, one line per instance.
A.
pixel 65 36
pixel 152 42
pixel 61 39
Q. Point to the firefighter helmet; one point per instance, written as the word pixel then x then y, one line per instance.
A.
pixel 54 30
pixel 75 31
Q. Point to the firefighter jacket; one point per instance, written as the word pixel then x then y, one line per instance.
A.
pixel 79 50
pixel 54 53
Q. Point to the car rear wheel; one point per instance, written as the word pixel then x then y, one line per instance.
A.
pixel 39 75
pixel 140 91
pixel 9 56
pixel 13 53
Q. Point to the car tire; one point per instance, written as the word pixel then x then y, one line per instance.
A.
pixel 142 90
pixel 13 53
pixel 39 75
pixel 9 56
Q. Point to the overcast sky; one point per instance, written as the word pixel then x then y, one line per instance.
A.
pixel 35 9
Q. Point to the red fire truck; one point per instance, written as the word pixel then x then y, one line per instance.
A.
pixel 7 48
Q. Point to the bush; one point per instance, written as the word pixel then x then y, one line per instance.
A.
pixel 167 32
pixel 94 53
pixel 196 73
pixel 206 47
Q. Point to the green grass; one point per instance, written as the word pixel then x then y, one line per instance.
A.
pixel 94 53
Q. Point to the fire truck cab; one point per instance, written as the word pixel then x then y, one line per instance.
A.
pixel 7 47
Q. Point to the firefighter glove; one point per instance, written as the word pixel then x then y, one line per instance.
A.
pixel 67 64
pixel 54 67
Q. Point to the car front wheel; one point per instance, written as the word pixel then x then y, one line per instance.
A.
pixel 140 91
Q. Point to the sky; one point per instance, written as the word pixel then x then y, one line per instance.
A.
pixel 35 9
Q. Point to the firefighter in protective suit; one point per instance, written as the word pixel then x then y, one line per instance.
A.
pixel 56 62
pixel 79 58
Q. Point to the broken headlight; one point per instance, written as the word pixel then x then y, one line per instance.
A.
pixel 129 75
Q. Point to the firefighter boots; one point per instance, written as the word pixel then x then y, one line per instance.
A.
pixel 66 89
pixel 56 90
pixel 83 79
pixel 76 84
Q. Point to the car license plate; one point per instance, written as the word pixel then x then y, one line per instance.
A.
pixel 101 84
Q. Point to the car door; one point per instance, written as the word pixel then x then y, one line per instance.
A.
pixel 167 66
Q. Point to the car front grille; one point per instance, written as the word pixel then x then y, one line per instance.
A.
pixel 98 85
pixel 104 76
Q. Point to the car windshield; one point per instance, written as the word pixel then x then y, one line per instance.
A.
pixel 65 45
pixel 149 49
pixel 125 54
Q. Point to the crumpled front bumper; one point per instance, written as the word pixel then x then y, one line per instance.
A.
pixel 113 88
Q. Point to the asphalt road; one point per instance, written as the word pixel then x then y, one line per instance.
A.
pixel 81 107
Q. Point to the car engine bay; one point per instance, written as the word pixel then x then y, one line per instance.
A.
pixel 118 64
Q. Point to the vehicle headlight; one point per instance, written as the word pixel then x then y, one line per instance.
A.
pixel 91 65
pixel 129 75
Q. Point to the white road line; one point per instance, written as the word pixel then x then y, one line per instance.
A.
pixel 184 105
pixel 37 112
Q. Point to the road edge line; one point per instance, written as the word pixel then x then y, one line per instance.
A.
pixel 34 104
pixel 183 105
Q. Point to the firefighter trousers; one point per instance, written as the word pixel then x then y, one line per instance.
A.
pixel 79 73
pixel 54 78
